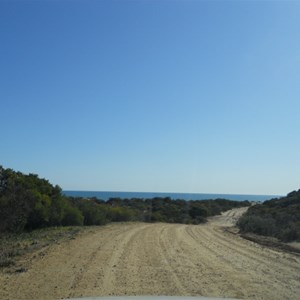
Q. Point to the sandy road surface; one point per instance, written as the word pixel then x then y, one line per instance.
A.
pixel 157 259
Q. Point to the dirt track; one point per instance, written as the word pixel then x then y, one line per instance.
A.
pixel 157 259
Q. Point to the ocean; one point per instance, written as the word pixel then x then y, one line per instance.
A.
pixel 103 195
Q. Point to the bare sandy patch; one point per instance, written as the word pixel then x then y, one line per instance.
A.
pixel 157 259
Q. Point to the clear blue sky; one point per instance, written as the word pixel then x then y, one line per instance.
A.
pixel 167 96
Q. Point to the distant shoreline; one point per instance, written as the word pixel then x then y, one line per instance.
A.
pixel 105 195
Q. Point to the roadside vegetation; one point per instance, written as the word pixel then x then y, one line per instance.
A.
pixel 34 213
pixel 28 202
pixel 14 245
pixel 279 218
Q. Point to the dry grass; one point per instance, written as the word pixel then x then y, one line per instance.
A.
pixel 14 245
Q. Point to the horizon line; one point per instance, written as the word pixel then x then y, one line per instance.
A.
pixel 243 194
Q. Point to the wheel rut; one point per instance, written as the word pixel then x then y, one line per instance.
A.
pixel 158 259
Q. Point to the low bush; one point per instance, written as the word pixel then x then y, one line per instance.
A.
pixel 28 202
pixel 278 218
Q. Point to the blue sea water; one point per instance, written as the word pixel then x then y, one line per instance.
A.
pixel 185 196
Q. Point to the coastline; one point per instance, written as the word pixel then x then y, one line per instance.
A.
pixel 105 195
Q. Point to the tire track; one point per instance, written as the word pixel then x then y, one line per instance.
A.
pixel 220 276
pixel 158 259
pixel 269 268
pixel 168 253
pixel 102 242
pixel 109 281
pixel 267 258
pixel 151 270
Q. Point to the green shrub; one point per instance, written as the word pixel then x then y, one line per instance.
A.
pixel 121 214
pixel 279 218
pixel 291 233
pixel 94 212
pixel 72 216
pixel 258 225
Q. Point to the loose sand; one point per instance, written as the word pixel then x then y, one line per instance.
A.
pixel 157 259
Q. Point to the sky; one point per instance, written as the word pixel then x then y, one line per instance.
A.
pixel 152 96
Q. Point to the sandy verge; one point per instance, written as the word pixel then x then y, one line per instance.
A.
pixel 157 259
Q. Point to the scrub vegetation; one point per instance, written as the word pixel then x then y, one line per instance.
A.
pixel 28 202
pixel 279 218
pixel 34 213
pixel 14 245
